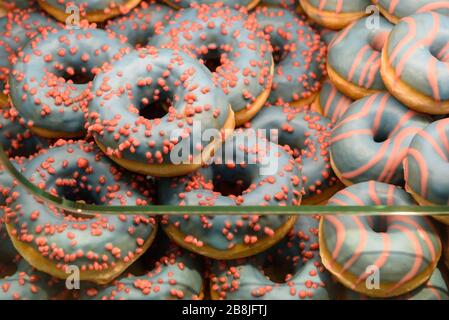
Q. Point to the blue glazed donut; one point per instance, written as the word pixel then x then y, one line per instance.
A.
pixel 335 14
pixel 171 274
pixel 434 289
pixel 414 62
pixel 371 140
pixel 16 29
pixel 305 135
pixel 260 277
pixel 146 144
pixel 101 246
pixel 248 170
pixel 15 138
pixel 91 10
pixel 425 165
pixel 331 103
pixel 299 56
pixel 178 4
pixel 398 9
pixel 140 24
pixel 228 41
pixel 50 82
pixel 358 76
pixel 403 250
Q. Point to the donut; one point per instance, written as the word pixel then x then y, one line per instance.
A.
pixel 298 53
pixel 404 249
pixel 396 10
pixel 101 246
pixel 292 269
pixel 414 62
pixel 425 165
pixel 141 133
pixel 228 42
pixel 17 28
pixel 173 274
pixel 51 79
pixel 15 138
pixel 331 103
pixel 140 24
pixel 91 10
pixel 359 76
pixel 248 170
pixel 305 135
pixel 248 4
pixel 434 289
pixel 335 14
pixel 286 4
pixel 371 140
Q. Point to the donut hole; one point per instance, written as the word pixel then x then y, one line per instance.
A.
pixel 79 195
pixel 212 60
pixel 279 54
pixel 278 272
pixel 227 187
pixel 77 76
pixel 379 224
pixel 381 136
pixel 154 110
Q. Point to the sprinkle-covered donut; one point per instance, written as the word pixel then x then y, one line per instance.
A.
pixel 358 76
pixel 248 4
pixel 91 10
pixel 371 140
pixel 173 274
pixel 229 43
pixel 335 14
pixel 305 135
pixel 140 24
pixel 16 29
pixel 101 246
pixel 331 103
pixel 434 289
pixel 51 79
pixel 180 99
pixel 15 138
pixel 292 269
pixel 426 163
pixel 396 10
pixel 415 62
pixel 248 170
pixel 403 250
pixel 298 53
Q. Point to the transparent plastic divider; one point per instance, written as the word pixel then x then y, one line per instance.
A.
pixel 88 209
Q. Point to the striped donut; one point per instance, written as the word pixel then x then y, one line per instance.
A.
pixel 335 14
pixel 372 138
pixel 415 62
pixel 434 289
pixel 331 103
pixel 395 10
pixel 426 166
pixel 358 76
pixel 404 249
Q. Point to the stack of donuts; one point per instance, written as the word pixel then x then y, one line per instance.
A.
pixel 224 104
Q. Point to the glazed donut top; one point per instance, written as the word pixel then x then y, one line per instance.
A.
pixel 400 246
pixel 247 170
pixel 305 135
pixel 298 52
pixel 372 138
pixel 140 24
pixel 175 275
pixel 41 84
pixel 364 46
pixel 80 172
pixel 418 51
pixel 231 3
pixel 426 163
pixel 402 8
pixel 162 76
pixel 296 258
pixel 340 6
pixel 230 36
